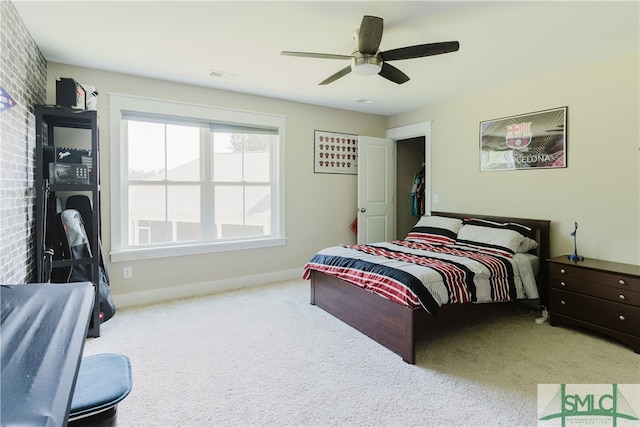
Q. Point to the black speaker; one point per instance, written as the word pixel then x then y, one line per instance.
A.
pixel 70 93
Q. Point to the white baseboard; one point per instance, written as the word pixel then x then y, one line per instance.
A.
pixel 203 288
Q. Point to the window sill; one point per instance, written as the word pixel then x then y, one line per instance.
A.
pixel 195 249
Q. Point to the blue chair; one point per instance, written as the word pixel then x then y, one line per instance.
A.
pixel 104 380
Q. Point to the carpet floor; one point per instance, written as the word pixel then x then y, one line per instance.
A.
pixel 264 356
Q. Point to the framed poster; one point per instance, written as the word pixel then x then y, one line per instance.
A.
pixel 533 140
pixel 335 153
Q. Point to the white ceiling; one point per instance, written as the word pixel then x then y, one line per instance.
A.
pixel 500 43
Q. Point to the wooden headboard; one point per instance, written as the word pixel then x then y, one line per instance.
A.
pixel 540 232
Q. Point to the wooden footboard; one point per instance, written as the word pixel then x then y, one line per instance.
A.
pixel 382 320
pixel 390 324
pixel 396 326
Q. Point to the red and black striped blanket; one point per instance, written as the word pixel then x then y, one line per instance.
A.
pixel 418 274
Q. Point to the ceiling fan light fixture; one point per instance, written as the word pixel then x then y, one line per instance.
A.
pixel 366 65
pixel 367 59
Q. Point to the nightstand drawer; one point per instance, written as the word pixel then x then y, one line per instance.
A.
pixel 601 277
pixel 617 294
pixel 620 317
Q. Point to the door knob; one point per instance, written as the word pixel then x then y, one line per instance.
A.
pixel 363 209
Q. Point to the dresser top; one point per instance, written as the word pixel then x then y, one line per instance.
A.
pixel 597 264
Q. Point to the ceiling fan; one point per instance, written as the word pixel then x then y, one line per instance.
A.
pixel 367 58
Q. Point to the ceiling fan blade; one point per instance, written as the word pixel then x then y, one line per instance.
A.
pixel 419 51
pixel 336 76
pixel 315 55
pixel 390 72
pixel 370 34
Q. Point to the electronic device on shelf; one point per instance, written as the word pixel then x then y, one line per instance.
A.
pixel 70 166
pixel 68 173
pixel 70 93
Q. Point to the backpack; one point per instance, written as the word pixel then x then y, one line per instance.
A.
pixel 75 245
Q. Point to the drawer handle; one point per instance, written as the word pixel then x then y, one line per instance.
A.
pixel 563 302
pixel 621 317
pixel 563 271
pixel 622 297
pixel 563 284
pixel 622 282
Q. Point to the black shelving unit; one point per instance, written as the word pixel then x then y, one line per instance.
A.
pixel 80 133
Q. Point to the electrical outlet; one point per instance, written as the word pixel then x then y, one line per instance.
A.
pixel 436 199
pixel 127 272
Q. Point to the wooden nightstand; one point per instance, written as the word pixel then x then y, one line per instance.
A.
pixel 600 295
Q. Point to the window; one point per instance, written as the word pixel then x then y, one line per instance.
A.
pixel 191 179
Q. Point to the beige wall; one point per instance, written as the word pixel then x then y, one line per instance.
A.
pixel 319 207
pixel 600 188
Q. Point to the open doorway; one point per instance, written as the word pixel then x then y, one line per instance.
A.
pixel 410 167
pixel 413 149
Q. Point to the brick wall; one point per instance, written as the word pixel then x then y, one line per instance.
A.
pixel 23 72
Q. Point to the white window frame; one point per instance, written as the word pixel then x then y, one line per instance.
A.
pixel 118 103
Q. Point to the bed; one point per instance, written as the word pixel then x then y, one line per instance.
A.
pixel 354 288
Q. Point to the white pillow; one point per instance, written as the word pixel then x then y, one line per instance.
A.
pixel 438 230
pixel 522 229
pixel 527 245
pixel 489 239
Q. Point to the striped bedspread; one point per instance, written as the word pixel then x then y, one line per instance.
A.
pixel 418 274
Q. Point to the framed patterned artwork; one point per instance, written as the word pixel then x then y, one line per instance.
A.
pixel 534 140
pixel 335 153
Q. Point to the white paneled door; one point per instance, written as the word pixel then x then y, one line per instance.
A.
pixel 376 189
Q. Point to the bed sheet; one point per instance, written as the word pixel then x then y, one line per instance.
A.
pixel 417 274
